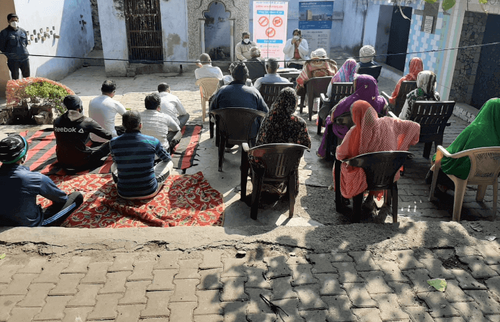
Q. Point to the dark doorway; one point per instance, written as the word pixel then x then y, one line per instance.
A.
pixel 143 21
pixel 486 85
pixel 398 37
pixel 217 31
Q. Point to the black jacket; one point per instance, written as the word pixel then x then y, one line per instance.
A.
pixel 13 43
pixel 72 131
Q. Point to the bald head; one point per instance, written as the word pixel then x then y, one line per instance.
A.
pixel 205 59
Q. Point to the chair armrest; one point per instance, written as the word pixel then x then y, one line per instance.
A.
pixel 391 114
pixel 323 98
pixel 385 95
pixel 245 147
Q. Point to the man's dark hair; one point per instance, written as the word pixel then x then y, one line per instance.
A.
pixel 272 65
pixel 297 30
pixel 152 101
pixel 10 16
pixel 245 33
pixel 240 72
pixel 131 121
pixel 108 86
pixel 163 87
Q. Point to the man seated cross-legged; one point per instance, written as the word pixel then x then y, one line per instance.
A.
pixel 134 170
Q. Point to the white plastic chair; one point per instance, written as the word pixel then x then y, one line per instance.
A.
pixel 484 169
pixel 208 86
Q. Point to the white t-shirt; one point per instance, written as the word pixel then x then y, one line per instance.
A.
pixel 157 124
pixel 171 105
pixel 208 71
pixel 103 110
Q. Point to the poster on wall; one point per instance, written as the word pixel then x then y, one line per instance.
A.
pixel 315 15
pixel 269 27
pixel 315 21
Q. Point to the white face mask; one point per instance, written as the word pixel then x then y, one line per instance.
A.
pixel 246 40
pixel 296 37
pixel 14 24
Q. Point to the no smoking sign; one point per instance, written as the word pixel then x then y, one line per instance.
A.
pixel 263 21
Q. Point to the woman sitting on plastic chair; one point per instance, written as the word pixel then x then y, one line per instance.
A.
pixel 371 134
pixel 484 131
pixel 416 66
pixel 281 126
pixel 346 73
pixel 365 88
pixel 425 91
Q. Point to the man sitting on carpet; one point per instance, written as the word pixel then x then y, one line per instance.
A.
pixel 20 188
pixel 133 170
pixel 171 105
pixel 161 126
pixel 72 130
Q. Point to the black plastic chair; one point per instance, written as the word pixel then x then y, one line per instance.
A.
pixel 380 169
pixel 314 87
pixel 404 89
pixel 372 70
pixel 339 91
pixel 276 162
pixel 233 126
pixel 270 92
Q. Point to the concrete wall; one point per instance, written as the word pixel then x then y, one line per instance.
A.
pixel 114 37
pixel 71 19
pixel 174 22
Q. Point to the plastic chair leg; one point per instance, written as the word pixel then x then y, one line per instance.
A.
pixel 434 182
pixel 356 207
pixel 394 195
pixel 222 146
pixel 460 186
pixel 481 191
pixel 427 149
pixel 244 174
pixel 310 103
pixel 211 126
pixel 258 179
pixel 292 181
pixel 203 107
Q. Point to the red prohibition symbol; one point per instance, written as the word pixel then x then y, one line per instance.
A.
pixel 263 21
pixel 270 32
pixel 277 21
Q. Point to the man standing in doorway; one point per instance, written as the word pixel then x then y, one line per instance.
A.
pixel 13 42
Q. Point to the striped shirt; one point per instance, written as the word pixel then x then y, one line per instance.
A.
pixel 134 155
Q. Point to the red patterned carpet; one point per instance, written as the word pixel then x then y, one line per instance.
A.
pixel 185 200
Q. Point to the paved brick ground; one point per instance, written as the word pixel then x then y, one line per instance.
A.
pixel 222 286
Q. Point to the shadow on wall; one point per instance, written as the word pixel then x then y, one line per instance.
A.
pixel 76 40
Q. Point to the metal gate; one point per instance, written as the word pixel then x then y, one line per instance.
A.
pixel 144 33
pixel 398 38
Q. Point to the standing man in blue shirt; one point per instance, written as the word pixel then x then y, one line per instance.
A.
pixel 20 188
pixel 13 42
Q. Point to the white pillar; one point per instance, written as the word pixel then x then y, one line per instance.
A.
pixel 231 27
pixel 202 35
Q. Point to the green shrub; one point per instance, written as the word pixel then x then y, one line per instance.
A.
pixel 47 91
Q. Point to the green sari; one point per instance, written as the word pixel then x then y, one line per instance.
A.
pixel 484 131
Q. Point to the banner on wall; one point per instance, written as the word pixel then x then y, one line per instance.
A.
pixel 269 27
pixel 315 21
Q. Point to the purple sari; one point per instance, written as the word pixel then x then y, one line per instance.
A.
pixel 367 90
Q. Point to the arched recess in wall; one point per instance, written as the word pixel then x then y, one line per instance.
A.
pixel 217 31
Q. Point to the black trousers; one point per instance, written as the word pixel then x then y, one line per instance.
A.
pixel 15 65
pixel 57 213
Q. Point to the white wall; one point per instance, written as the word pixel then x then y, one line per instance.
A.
pixel 174 23
pixel 72 21
pixel 352 27
pixel 114 37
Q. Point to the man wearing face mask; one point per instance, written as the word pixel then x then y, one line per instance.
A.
pixel 296 50
pixel 243 48
pixel 13 42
